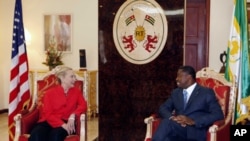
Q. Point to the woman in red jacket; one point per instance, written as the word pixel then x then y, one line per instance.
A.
pixel 61 104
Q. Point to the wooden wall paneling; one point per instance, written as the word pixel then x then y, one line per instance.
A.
pixel 197 32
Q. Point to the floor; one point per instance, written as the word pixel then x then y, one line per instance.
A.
pixel 92 125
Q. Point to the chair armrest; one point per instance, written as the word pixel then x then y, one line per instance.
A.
pixel 152 123
pixel 28 120
pixel 23 121
pixel 83 127
pixel 219 123
pixel 148 121
pixel 17 120
pixel 219 130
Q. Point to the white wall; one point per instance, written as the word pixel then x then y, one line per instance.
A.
pixel 85 33
pixel 220 23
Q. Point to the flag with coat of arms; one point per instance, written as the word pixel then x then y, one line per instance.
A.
pixel 237 62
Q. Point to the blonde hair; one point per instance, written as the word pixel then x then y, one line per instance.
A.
pixel 60 71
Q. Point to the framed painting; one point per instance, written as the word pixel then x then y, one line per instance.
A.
pixel 57 32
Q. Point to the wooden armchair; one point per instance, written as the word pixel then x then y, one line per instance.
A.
pixel 26 120
pixel 225 93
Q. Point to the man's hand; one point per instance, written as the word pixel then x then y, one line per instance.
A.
pixel 183 120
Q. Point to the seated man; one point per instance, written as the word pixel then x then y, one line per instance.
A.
pixel 187 118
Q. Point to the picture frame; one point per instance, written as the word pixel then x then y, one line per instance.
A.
pixel 58 32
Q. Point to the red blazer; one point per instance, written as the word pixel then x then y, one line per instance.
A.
pixel 58 107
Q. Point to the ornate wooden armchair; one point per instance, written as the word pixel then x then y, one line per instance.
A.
pixel 26 120
pixel 225 92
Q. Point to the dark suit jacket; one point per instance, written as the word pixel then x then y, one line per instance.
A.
pixel 202 107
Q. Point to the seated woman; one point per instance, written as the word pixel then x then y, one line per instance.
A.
pixel 61 104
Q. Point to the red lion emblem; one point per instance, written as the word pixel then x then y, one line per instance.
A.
pixel 128 41
pixel 149 43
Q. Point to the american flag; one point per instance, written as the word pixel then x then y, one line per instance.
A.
pixel 19 97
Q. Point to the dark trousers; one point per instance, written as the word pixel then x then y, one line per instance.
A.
pixel 169 130
pixel 44 132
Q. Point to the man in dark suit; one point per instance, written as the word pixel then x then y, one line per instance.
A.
pixel 187 121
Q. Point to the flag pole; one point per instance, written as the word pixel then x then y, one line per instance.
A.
pixel 19 96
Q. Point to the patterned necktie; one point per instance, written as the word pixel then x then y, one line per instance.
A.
pixel 185 97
